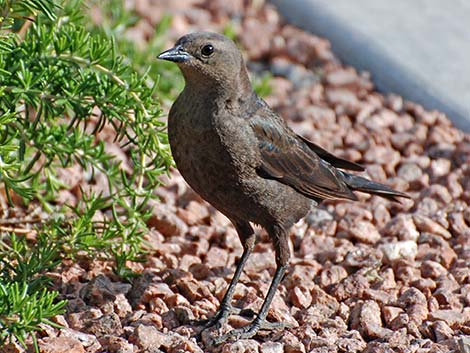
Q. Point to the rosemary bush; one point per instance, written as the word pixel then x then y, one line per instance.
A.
pixel 67 89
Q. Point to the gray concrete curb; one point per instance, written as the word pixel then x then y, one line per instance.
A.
pixel 419 49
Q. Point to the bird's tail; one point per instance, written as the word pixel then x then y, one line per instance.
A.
pixel 358 183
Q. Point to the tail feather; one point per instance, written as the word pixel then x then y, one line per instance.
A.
pixel 358 183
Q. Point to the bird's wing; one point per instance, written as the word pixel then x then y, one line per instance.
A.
pixel 331 158
pixel 288 159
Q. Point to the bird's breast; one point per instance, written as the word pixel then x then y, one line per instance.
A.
pixel 212 149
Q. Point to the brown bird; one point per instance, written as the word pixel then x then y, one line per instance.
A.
pixel 241 157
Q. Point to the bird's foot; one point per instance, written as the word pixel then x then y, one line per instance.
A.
pixel 250 330
pixel 218 319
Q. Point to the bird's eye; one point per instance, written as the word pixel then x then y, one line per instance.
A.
pixel 207 50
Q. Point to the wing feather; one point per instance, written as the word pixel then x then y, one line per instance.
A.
pixel 291 160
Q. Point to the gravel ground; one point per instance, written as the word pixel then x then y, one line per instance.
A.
pixel 369 276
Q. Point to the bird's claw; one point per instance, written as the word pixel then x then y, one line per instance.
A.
pixel 250 330
pixel 218 319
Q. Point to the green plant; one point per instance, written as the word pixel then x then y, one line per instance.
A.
pixel 116 19
pixel 23 310
pixel 60 87
pixel 69 89
pixel 262 84
pixel 25 301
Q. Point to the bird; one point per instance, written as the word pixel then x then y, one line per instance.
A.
pixel 243 159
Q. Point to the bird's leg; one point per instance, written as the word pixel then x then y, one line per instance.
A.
pixel 279 237
pixel 247 237
pixel 226 307
pixel 260 322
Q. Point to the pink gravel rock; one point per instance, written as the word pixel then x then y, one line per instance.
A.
pixel 305 48
pixel 387 280
pixel 381 120
pixel 260 261
pixel 320 115
pixel 280 311
pixel 272 347
pixel 439 193
pixel 170 320
pixel 114 344
pixel 366 318
pixel 464 344
pixel 60 320
pixel 442 331
pixel 406 272
pixel 432 269
pixel 200 271
pixel 352 286
pixel 322 298
pixel 362 257
pixel 165 220
pixel 401 139
pixel 447 256
pixel 415 304
pixel 390 313
pixel 216 257
pixel 425 285
pixel 413 174
pixel 351 342
pixel 451 317
pixel 380 296
pixel 332 275
pixel 101 290
pixel 301 297
pixel 256 38
pixel 158 289
pixel 406 249
pixel 302 274
pixel 197 248
pixel 194 213
pixel 344 97
pixel 387 157
pixel 193 290
pixel 292 344
pixel 381 215
pixel 89 342
pixel 453 185
pixel 188 261
pixel 241 346
pixel 237 321
pixel 426 224
pixel 457 223
pixel 401 321
pixel 121 305
pixel 427 207
pixel 440 167
pixel 60 345
pixel 148 338
pixel 184 314
pixel 401 227
pixel 80 319
pixel 364 232
pixel 105 325
pixel 12 347
pixel 342 77
pixel 394 102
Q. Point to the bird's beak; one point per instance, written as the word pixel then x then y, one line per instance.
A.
pixel 175 54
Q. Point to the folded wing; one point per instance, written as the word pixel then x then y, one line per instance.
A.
pixel 292 160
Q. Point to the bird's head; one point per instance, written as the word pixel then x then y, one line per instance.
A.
pixel 207 58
